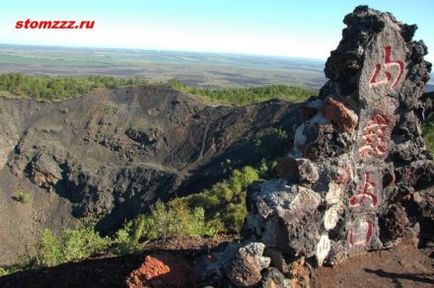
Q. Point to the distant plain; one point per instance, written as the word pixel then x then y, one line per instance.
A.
pixel 209 70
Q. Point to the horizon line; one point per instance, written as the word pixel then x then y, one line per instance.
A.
pixel 430 81
pixel 167 50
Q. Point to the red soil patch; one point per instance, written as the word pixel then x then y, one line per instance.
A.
pixel 161 271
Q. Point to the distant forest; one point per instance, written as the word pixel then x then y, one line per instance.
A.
pixel 62 88
pixel 59 88
pixel 244 96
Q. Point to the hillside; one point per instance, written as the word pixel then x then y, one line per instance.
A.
pixel 111 154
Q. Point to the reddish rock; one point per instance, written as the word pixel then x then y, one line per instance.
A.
pixel 300 274
pixel 161 271
pixel 339 115
pixel 344 175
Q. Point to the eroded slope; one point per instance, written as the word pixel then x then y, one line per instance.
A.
pixel 111 154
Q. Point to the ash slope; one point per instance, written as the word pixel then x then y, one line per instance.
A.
pixel 113 153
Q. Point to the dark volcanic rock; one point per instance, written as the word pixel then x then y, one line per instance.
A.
pixel 245 268
pixel 272 278
pixel 243 271
pixel 374 173
pixel 112 154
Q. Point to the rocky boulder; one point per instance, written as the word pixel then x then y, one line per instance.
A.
pixel 359 173
pixel 245 269
pixel 161 271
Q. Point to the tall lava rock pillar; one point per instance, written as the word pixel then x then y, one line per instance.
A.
pixel 358 160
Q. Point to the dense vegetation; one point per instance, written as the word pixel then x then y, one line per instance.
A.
pixel 61 88
pixel 71 244
pixel 244 96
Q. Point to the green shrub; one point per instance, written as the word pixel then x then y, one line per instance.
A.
pixel 235 216
pixel 224 203
pixel 197 225
pixel 163 222
pixel 82 243
pixel 21 196
pixel 49 249
pixel 128 238
pixel 240 179
pixel 71 244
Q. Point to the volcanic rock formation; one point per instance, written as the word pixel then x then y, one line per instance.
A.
pixel 360 176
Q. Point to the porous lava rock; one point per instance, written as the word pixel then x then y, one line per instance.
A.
pixel 161 271
pixel 245 268
pixel 359 174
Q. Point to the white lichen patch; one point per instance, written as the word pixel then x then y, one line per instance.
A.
pixel 334 194
pixel 331 217
pixel 305 199
pixel 322 248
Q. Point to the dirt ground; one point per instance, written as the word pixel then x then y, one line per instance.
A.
pixel 108 270
pixel 403 266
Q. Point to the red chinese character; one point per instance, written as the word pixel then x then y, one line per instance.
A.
pixel 366 191
pixel 387 75
pixel 360 233
pixel 373 139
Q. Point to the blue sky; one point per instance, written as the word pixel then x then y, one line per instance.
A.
pixel 268 27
